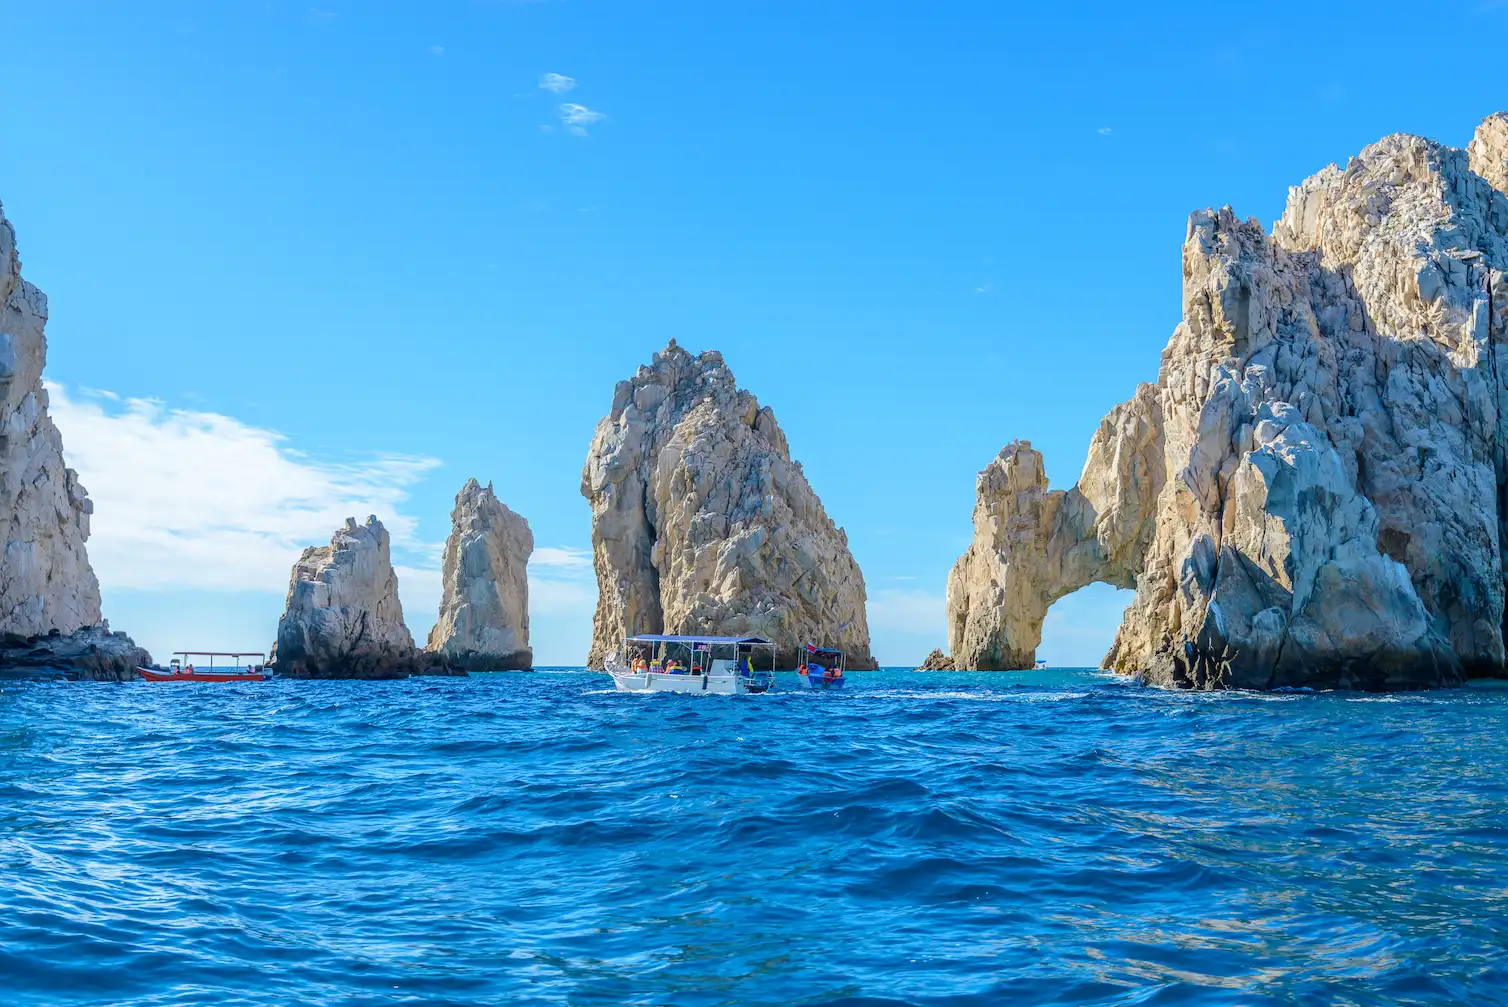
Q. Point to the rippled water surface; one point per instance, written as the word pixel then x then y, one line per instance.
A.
pixel 1037 838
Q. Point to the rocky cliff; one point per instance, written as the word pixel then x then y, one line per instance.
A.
pixel 49 597
pixel 484 611
pixel 1314 491
pixel 343 618
pixel 702 523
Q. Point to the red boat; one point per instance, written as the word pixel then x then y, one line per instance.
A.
pixel 181 669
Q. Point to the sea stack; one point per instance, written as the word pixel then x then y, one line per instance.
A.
pixel 1313 492
pixel 49 597
pixel 484 611
pixel 343 618
pixel 702 523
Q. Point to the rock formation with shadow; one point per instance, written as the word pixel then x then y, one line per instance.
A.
pixel 484 611
pixel 1314 492
pixel 343 618
pixel 50 617
pixel 702 522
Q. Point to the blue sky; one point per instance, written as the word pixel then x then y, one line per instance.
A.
pixel 358 249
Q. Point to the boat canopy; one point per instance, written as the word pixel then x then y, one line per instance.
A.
pixel 823 650
pixel 755 641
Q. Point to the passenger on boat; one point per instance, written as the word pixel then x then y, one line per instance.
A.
pixel 674 667
pixel 640 665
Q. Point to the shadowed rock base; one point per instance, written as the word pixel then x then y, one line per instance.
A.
pixel 92 654
pixel 519 660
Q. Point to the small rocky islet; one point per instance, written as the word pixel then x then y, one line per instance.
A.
pixel 1313 493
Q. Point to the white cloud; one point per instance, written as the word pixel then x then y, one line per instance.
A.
pixel 437 50
pixel 577 117
pixel 901 610
pixel 189 499
pixel 562 556
pixel 1104 131
pixel 558 83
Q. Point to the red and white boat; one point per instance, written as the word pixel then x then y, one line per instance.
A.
pixel 181 668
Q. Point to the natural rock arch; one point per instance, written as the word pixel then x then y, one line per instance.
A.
pixel 1322 497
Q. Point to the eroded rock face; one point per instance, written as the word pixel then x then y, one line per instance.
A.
pixel 1315 484
pixel 343 618
pixel 702 523
pixel 46 582
pixel 49 597
pixel 484 611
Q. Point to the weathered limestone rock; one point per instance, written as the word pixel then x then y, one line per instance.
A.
pixel 484 612
pixel 343 618
pixel 702 523
pixel 48 591
pixel 937 661
pixel 1313 492
pixel 45 579
pixel 1488 151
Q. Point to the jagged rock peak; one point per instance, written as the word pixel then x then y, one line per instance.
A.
pixel 46 582
pixel 1488 150
pixel 937 661
pixel 484 610
pixel 343 618
pixel 1310 494
pixel 702 523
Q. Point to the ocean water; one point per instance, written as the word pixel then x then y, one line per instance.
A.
pixel 1033 838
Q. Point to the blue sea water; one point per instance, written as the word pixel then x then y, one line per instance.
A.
pixel 1033 838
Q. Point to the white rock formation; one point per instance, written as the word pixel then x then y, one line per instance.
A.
pixel 343 618
pixel 701 522
pixel 46 582
pixel 484 611
pixel 1314 491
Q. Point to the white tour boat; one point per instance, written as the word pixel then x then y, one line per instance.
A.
pixel 716 665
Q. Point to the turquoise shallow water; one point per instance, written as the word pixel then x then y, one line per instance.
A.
pixel 1035 838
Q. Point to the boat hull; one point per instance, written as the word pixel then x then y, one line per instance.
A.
pixel 710 685
pixel 200 676
pixel 820 684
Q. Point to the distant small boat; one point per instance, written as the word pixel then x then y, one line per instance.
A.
pixel 822 668
pixel 181 668
pixel 1040 665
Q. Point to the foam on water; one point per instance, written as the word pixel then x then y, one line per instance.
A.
pixel 1040 838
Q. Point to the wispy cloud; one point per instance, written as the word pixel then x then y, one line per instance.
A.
pixel 1104 131
pixel 905 610
pixel 565 557
pixel 558 83
pixel 202 500
pixel 577 118
pixel 437 50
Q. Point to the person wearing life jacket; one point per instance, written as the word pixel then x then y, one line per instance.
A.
pixel 640 665
pixel 674 667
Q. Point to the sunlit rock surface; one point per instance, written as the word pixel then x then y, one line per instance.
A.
pixel 47 587
pixel 343 618
pixel 1312 493
pixel 702 523
pixel 484 611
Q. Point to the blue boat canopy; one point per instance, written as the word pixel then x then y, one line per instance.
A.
pixel 661 638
